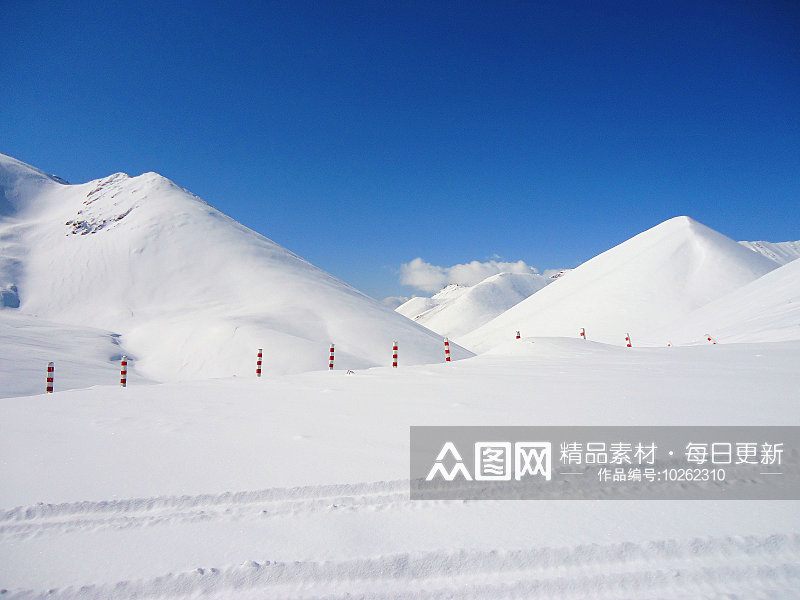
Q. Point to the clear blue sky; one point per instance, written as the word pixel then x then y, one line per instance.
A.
pixel 364 134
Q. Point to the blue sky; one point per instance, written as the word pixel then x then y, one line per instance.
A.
pixel 362 135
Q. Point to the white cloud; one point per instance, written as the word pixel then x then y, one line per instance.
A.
pixel 431 278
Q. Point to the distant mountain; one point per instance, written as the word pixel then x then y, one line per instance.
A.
pixel 652 279
pixel 780 252
pixel 414 308
pixel 192 293
pixel 457 310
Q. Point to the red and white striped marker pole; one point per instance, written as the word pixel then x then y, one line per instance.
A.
pixel 123 372
pixel 710 339
pixel 50 376
pixel 583 332
pixel 330 364
pixel 446 350
pixel 628 339
pixel 518 335
pixel 394 354
pixel 258 361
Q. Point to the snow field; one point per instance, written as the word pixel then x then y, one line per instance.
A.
pixel 297 486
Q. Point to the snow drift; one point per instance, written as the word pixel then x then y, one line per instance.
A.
pixel 457 310
pixel 81 355
pixel 652 279
pixel 192 292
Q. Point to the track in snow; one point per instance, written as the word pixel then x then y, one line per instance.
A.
pixel 751 567
pixel 42 519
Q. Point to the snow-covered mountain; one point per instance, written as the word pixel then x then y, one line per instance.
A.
pixel 457 310
pixel 652 279
pixel 780 252
pixel 765 310
pixel 191 292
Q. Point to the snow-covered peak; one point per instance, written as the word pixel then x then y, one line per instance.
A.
pixel 192 292
pixel 451 291
pixel 11 167
pixel 651 279
pixel 20 183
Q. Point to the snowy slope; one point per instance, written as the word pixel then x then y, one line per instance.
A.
pixel 20 185
pixel 457 310
pixel 780 252
pixel 765 310
pixel 297 486
pixel 83 356
pixel 648 281
pixel 192 292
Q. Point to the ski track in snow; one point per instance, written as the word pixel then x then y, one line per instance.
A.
pixel 744 566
